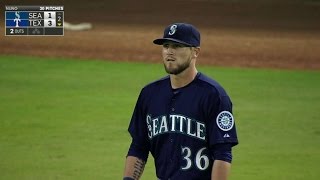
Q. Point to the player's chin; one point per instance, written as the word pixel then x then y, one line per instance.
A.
pixel 172 70
pixel 169 68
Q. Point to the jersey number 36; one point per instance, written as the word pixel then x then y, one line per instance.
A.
pixel 201 159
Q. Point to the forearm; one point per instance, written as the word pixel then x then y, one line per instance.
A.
pixel 220 170
pixel 134 167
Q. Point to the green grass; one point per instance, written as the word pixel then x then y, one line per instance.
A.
pixel 68 119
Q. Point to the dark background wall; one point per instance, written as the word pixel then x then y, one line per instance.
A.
pixel 266 14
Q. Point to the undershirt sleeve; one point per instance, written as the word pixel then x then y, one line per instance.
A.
pixel 222 152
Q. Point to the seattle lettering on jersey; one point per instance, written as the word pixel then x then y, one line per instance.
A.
pixel 175 124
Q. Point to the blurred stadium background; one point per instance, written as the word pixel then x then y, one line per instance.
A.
pixel 261 33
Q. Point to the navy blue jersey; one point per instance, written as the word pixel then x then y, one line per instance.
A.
pixel 180 127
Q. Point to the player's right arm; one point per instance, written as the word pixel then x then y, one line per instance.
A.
pixel 133 168
pixel 139 149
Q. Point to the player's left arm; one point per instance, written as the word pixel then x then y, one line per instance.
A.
pixel 222 136
pixel 220 170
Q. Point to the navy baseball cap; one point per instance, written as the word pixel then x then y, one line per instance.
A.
pixel 182 33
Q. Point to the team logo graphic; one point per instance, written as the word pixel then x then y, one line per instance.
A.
pixel 173 29
pixel 17 19
pixel 225 121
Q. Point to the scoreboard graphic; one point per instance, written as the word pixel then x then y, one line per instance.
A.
pixel 34 20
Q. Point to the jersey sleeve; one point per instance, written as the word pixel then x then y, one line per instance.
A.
pixel 221 122
pixel 138 130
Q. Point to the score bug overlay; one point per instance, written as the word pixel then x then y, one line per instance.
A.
pixel 34 20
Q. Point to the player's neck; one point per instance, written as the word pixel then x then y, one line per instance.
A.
pixel 183 79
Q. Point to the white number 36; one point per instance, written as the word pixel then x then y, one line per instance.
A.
pixel 201 160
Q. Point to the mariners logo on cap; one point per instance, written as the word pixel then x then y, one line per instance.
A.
pixel 173 29
pixel 225 121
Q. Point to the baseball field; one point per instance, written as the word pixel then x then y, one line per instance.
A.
pixel 66 102
pixel 67 119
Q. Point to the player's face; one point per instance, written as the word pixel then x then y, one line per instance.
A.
pixel 176 57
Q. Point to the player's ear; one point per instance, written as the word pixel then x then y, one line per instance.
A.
pixel 196 51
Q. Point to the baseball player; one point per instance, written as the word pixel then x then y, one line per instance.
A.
pixel 184 119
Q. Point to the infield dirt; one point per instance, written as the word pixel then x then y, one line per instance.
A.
pixel 261 34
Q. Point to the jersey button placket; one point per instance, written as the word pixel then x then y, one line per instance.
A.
pixel 172 104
